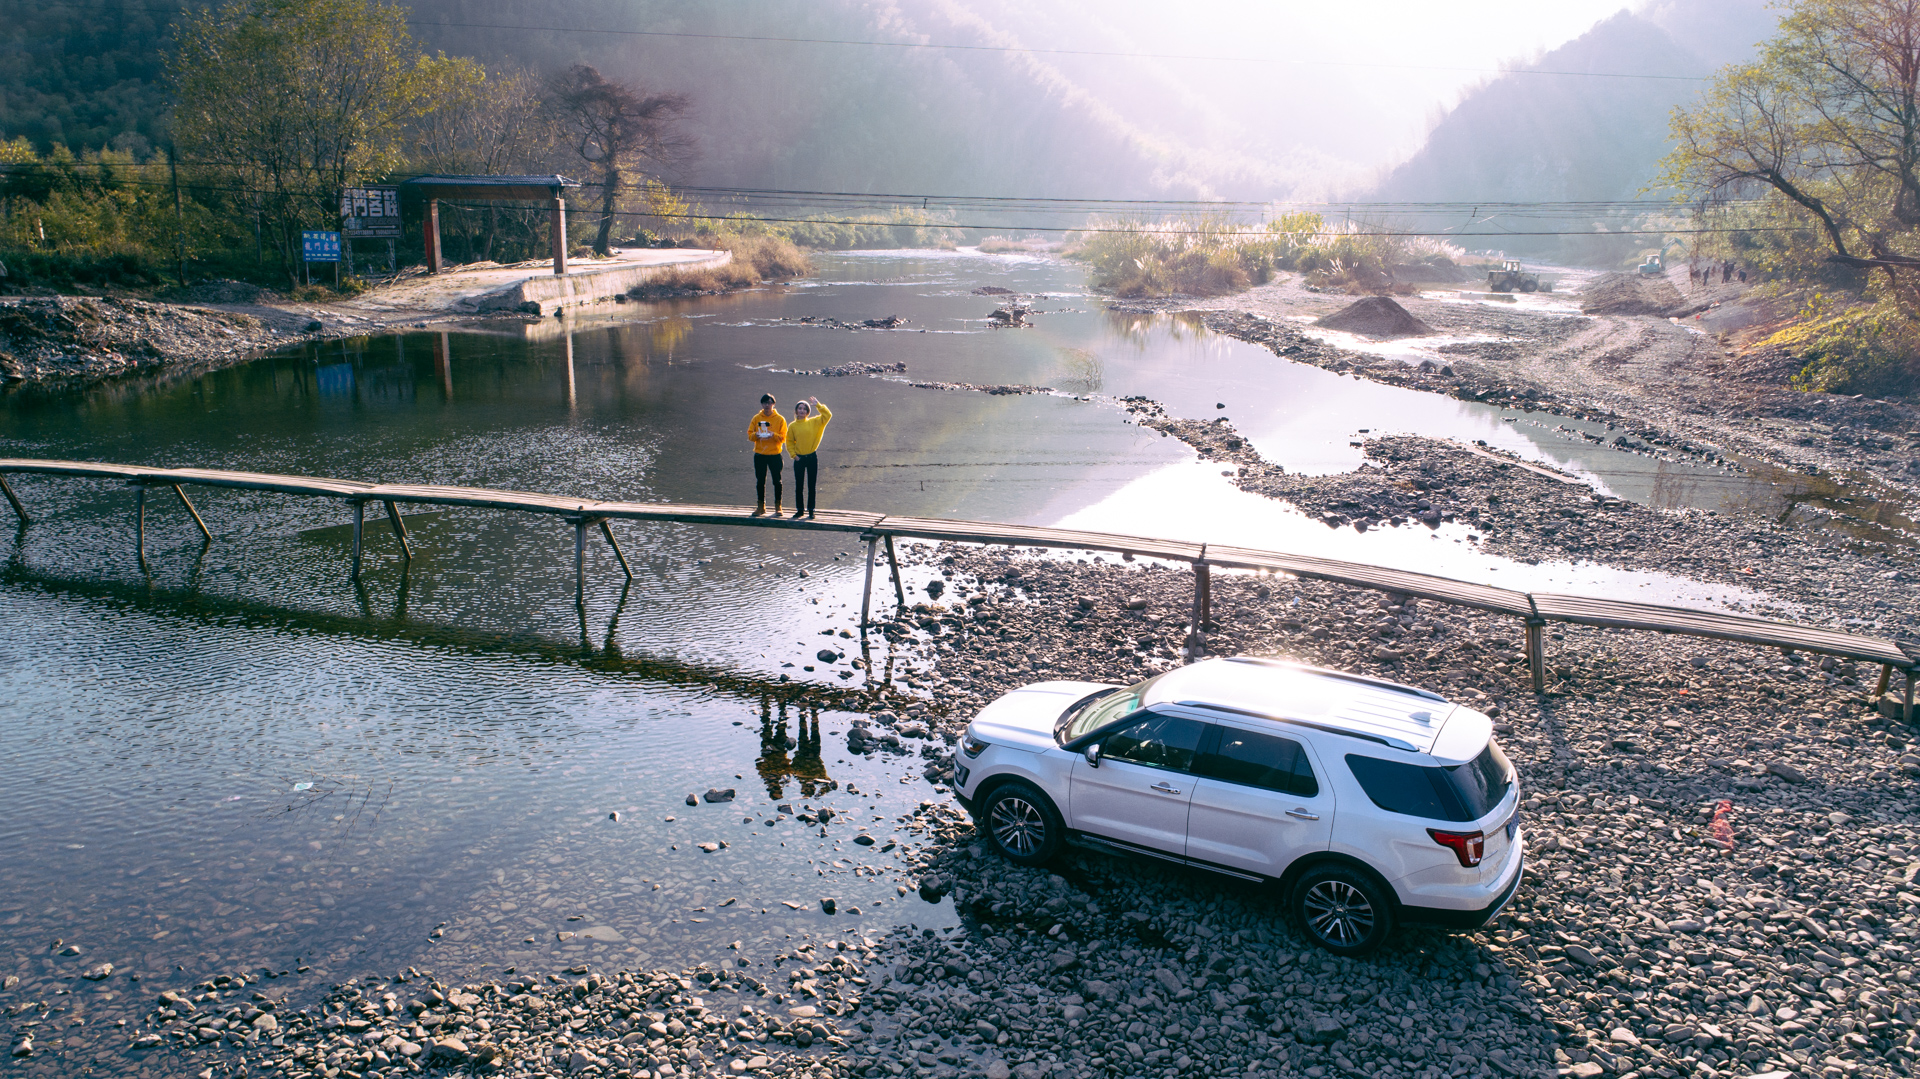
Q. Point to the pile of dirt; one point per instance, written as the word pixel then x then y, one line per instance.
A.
pixel 1437 270
pixel 220 290
pixel 90 338
pixel 1375 316
pixel 1631 294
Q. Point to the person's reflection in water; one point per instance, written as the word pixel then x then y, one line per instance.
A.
pixel 804 766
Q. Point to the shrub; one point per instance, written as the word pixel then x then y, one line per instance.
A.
pixel 1861 348
pixel 755 259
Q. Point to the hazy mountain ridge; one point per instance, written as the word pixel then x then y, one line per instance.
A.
pixel 1577 138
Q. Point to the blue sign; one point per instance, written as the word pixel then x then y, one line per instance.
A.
pixel 320 246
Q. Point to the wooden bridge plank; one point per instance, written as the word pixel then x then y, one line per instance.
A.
pixel 91 469
pixel 1446 589
pixel 1030 536
pixel 1627 614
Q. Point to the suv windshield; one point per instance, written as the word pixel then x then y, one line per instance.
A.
pixel 1092 713
pixel 1459 793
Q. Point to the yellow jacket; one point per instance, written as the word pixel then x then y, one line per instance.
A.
pixel 803 437
pixel 768 433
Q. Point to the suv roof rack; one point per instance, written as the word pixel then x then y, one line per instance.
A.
pixel 1344 676
pixel 1383 739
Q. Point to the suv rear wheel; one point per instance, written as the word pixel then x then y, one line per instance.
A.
pixel 1023 823
pixel 1341 910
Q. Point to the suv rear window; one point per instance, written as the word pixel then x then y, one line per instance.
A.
pixel 1461 792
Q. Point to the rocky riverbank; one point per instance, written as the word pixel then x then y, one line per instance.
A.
pixel 1659 933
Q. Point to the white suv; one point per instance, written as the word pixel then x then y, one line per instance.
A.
pixel 1370 803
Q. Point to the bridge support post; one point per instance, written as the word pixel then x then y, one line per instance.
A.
pixel 899 593
pixel 866 590
pixel 14 501
pixel 140 523
pixel 607 531
pixel 1537 653
pixel 580 556
pixel 359 525
pixel 1202 611
pixel 1886 675
pixel 1906 713
pixel 399 531
pixel 182 495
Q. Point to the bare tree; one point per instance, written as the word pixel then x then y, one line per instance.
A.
pixel 618 130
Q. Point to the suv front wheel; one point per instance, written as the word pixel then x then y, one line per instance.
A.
pixel 1341 910
pixel 1023 823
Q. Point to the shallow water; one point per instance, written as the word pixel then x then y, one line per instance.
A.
pixel 464 729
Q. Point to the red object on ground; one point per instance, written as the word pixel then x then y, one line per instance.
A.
pixel 1720 829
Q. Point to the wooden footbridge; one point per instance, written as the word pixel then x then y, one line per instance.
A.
pixel 878 531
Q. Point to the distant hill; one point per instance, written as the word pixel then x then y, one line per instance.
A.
pixel 1577 138
pixel 83 73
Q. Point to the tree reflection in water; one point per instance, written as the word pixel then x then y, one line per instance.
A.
pixel 784 757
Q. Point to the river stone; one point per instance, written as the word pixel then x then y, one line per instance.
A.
pixel 605 933
pixel 99 973
pixel 715 794
pixel 1323 1030
pixel 1786 771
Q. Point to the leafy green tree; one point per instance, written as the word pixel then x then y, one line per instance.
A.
pixel 1828 119
pixel 290 100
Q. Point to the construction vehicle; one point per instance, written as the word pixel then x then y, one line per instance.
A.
pixel 1511 278
pixel 1656 265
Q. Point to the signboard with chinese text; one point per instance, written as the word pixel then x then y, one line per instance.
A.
pixel 319 246
pixel 370 213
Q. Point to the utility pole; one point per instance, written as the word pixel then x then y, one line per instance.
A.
pixel 179 218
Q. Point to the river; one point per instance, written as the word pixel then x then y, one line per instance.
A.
pixel 235 760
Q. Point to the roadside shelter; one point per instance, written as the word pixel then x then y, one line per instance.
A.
pixel 551 190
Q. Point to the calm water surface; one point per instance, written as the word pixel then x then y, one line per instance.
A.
pixel 237 760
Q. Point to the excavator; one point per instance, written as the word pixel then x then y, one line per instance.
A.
pixel 1656 265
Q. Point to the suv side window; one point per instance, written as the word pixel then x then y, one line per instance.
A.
pixel 1260 760
pixel 1157 740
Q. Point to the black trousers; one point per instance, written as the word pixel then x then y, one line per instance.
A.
pixel 806 476
pixel 765 464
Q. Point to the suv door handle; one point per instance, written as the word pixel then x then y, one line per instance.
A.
pixel 1301 813
pixel 1163 788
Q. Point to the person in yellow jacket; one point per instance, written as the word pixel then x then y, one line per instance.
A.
pixel 803 441
pixel 768 430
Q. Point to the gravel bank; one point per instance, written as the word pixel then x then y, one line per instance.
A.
pixel 1638 946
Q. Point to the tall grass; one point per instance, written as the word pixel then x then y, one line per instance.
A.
pixel 1212 256
pixel 756 260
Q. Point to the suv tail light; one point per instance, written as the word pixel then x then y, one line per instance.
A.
pixel 1469 847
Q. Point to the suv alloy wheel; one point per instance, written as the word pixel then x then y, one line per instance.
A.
pixel 1341 910
pixel 1023 824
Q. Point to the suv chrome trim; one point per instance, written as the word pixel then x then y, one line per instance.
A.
pixel 1088 839
pixel 1344 676
pixel 1380 739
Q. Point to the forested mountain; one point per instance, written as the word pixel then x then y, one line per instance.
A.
pixel 83 73
pixel 1525 138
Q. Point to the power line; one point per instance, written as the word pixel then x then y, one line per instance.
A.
pixel 1287 61
pixel 1010 49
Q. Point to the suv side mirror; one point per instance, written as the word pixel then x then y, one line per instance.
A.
pixel 1093 755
